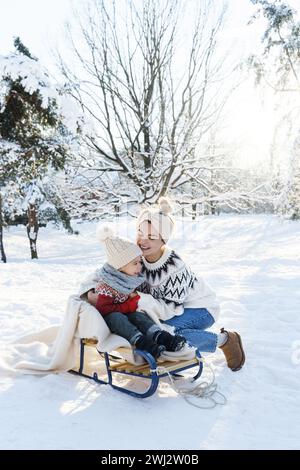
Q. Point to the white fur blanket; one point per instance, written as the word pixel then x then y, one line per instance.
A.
pixel 56 348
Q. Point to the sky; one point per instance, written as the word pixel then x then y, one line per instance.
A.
pixel 38 23
pixel 41 26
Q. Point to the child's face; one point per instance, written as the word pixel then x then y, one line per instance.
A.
pixel 133 268
pixel 148 239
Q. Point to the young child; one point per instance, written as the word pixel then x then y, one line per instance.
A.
pixel 118 302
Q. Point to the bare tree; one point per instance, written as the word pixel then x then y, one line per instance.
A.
pixel 151 99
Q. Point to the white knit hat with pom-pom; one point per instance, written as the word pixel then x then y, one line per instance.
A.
pixel 119 251
pixel 160 217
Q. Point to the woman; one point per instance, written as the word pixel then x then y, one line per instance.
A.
pixel 186 302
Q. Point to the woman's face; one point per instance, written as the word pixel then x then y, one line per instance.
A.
pixel 148 239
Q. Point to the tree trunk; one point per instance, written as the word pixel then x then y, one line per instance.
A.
pixel 212 208
pixel 194 211
pixel 32 229
pixel 65 219
pixel 3 256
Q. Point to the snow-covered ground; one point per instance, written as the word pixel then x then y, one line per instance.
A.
pixel 253 262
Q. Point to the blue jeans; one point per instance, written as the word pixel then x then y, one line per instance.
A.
pixel 191 324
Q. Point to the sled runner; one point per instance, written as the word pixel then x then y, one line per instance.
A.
pixel 149 369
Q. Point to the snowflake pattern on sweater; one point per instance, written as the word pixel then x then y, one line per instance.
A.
pixel 104 289
pixel 171 280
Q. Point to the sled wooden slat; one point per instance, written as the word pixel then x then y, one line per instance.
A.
pixel 145 369
pixel 121 367
pixel 89 341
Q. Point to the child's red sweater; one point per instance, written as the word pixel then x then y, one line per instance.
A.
pixel 110 300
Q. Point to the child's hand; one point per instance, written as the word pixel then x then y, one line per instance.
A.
pixel 92 297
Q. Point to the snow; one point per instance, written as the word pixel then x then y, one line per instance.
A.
pixel 34 76
pixel 253 262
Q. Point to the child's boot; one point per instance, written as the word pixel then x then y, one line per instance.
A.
pixel 147 344
pixel 171 342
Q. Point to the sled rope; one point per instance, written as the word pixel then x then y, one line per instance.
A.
pixel 203 390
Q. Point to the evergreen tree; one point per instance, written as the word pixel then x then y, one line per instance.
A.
pixel 33 138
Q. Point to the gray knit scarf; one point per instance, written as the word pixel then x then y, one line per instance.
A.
pixel 119 281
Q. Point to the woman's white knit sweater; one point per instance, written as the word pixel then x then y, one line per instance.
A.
pixel 171 286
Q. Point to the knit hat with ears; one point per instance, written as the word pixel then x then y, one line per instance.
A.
pixel 119 251
pixel 160 217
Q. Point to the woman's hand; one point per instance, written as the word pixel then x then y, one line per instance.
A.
pixel 92 297
pixel 133 294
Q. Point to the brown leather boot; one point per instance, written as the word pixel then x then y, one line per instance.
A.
pixel 233 350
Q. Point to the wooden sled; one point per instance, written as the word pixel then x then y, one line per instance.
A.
pixel 150 371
